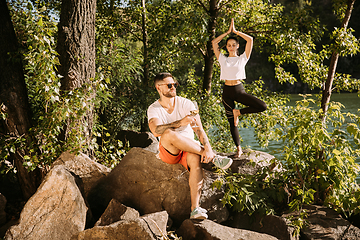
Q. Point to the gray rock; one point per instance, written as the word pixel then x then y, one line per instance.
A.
pixel 152 227
pixel 149 185
pixel 116 212
pixel 6 226
pixel 251 161
pixel 248 163
pixel 209 230
pixel 351 233
pixel 2 209
pixel 56 211
pixel 210 199
pixel 157 222
pixel 325 223
pixel 272 225
pixel 88 170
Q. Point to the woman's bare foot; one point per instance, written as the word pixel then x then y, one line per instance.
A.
pixel 239 152
pixel 236 113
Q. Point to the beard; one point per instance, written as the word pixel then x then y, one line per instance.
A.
pixel 170 94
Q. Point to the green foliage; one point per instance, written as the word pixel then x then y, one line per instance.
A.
pixel 257 193
pixel 122 99
pixel 36 34
pixel 318 159
pixel 296 45
pixel 305 42
pixel 110 150
pixel 50 108
pixel 340 7
pixel 318 162
pixel 344 42
pixel 298 222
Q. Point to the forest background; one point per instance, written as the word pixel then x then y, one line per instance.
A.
pixel 118 46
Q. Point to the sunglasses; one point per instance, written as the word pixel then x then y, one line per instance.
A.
pixel 170 85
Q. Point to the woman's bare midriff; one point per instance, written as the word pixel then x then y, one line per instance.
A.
pixel 232 82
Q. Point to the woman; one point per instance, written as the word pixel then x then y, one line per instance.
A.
pixel 233 72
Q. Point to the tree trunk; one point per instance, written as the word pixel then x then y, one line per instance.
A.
pixel 14 100
pixel 209 54
pixel 76 47
pixel 145 46
pixel 326 94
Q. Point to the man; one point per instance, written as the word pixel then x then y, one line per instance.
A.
pixel 170 119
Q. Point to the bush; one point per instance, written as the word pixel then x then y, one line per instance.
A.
pixel 318 162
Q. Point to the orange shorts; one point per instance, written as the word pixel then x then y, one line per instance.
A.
pixel 167 157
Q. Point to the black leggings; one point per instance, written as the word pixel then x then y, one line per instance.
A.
pixel 237 93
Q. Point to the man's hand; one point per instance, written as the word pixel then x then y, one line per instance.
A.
pixel 189 119
pixel 207 155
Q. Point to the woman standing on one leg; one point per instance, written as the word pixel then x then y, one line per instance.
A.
pixel 233 72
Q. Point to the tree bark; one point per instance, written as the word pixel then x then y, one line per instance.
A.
pixel 14 100
pixel 145 46
pixel 76 48
pixel 327 89
pixel 209 54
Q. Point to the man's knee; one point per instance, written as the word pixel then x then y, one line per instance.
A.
pixel 193 160
pixel 168 134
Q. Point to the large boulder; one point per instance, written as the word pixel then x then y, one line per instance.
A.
pixel 116 212
pixel 325 223
pixel 147 227
pixel 276 226
pixel 149 185
pixel 209 230
pixel 88 170
pixel 56 211
pixel 210 199
pixel 351 233
pixel 2 209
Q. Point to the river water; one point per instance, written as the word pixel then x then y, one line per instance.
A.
pixel 351 101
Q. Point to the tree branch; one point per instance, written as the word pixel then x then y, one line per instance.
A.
pixel 139 38
pixel 203 53
pixel 224 4
pixel 201 4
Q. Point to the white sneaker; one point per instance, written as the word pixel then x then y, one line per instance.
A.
pixel 198 213
pixel 222 162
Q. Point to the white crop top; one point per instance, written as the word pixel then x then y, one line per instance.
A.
pixel 232 68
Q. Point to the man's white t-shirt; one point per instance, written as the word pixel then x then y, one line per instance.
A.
pixel 232 68
pixel 182 108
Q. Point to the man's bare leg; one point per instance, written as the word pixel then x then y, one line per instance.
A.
pixel 195 179
pixel 174 143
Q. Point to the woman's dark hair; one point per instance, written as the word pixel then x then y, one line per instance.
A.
pixel 161 76
pixel 232 38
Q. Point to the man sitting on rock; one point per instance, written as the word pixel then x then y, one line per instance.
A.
pixel 170 118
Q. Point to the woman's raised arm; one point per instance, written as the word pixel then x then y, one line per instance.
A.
pixel 247 38
pixel 215 42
